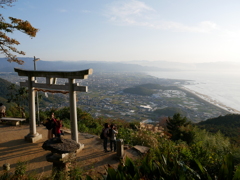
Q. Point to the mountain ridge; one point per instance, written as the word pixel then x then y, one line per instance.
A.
pixel 125 66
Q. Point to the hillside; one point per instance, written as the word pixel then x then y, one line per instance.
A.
pixel 3 88
pixel 169 111
pixel 146 89
pixel 52 100
pixel 229 125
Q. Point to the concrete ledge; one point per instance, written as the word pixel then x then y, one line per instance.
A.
pixel 12 121
pixel 33 139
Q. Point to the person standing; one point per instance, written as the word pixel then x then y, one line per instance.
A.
pixel 106 135
pixel 54 124
pixel 58 125
pixel 113 132
pixel 2 110
pixel 49 125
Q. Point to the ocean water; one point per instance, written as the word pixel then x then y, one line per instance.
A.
pixel 221 88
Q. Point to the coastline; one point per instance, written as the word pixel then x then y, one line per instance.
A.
pixel 205 84
pixel 212 101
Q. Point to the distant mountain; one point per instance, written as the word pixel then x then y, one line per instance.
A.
pixel 76 65
pixel 130 66
pixel 229 125
pixel 213 66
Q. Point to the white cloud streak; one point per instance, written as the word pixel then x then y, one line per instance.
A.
pixel 85 11
pixel 62 10
pixel 137 13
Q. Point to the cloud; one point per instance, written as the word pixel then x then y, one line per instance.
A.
pixel 62 10
pixel 137 13
pixel 128 12
pixel 202 27
pixel 85 11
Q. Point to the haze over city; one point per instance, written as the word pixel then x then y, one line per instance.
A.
pixel 130 30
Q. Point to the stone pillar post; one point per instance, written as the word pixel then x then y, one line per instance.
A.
pixel 32 112
pixel 120 148
pixel 6 167
pixel 73 110
pixel 33 136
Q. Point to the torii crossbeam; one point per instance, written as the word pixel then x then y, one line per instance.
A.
pixel 51 77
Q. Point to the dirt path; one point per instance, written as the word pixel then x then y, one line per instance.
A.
pixel 92 159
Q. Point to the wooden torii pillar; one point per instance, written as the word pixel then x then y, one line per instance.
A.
pixel 51 77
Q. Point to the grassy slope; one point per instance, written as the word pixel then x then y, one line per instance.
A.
pixel 229 125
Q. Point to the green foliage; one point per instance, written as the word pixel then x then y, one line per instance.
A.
pixel 157 165
pixel 13 111
pixel 20 169
pixel 174 125
pixel 124 172
pixel 75 173
pixel 5 176
pixel 18 95
pixel 229 125
pixel 54 99
pixel 139 90
pixel 133 135
pixel 237 173
pixel 42 116
pixel 3 88
pixel 217 142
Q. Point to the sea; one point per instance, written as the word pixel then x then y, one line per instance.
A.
pixel 221 88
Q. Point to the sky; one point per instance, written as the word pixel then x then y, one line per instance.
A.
pixel 188 31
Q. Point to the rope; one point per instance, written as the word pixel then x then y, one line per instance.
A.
pixel 51 91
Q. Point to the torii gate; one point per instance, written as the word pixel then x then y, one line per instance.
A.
pixel 51 77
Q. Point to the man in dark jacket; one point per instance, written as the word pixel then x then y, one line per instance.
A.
pixel 106 135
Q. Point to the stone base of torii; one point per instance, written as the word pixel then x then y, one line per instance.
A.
pixel 51 84
pixel 32 138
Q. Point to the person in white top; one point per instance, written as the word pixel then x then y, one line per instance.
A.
pixel 113 132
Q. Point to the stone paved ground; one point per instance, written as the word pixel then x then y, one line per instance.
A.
pixel 92 159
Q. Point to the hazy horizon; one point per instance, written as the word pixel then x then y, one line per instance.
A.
pixel 213 66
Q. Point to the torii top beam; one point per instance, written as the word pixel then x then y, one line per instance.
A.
pixel 55 74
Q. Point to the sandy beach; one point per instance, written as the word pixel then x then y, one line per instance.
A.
pixel 212 101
